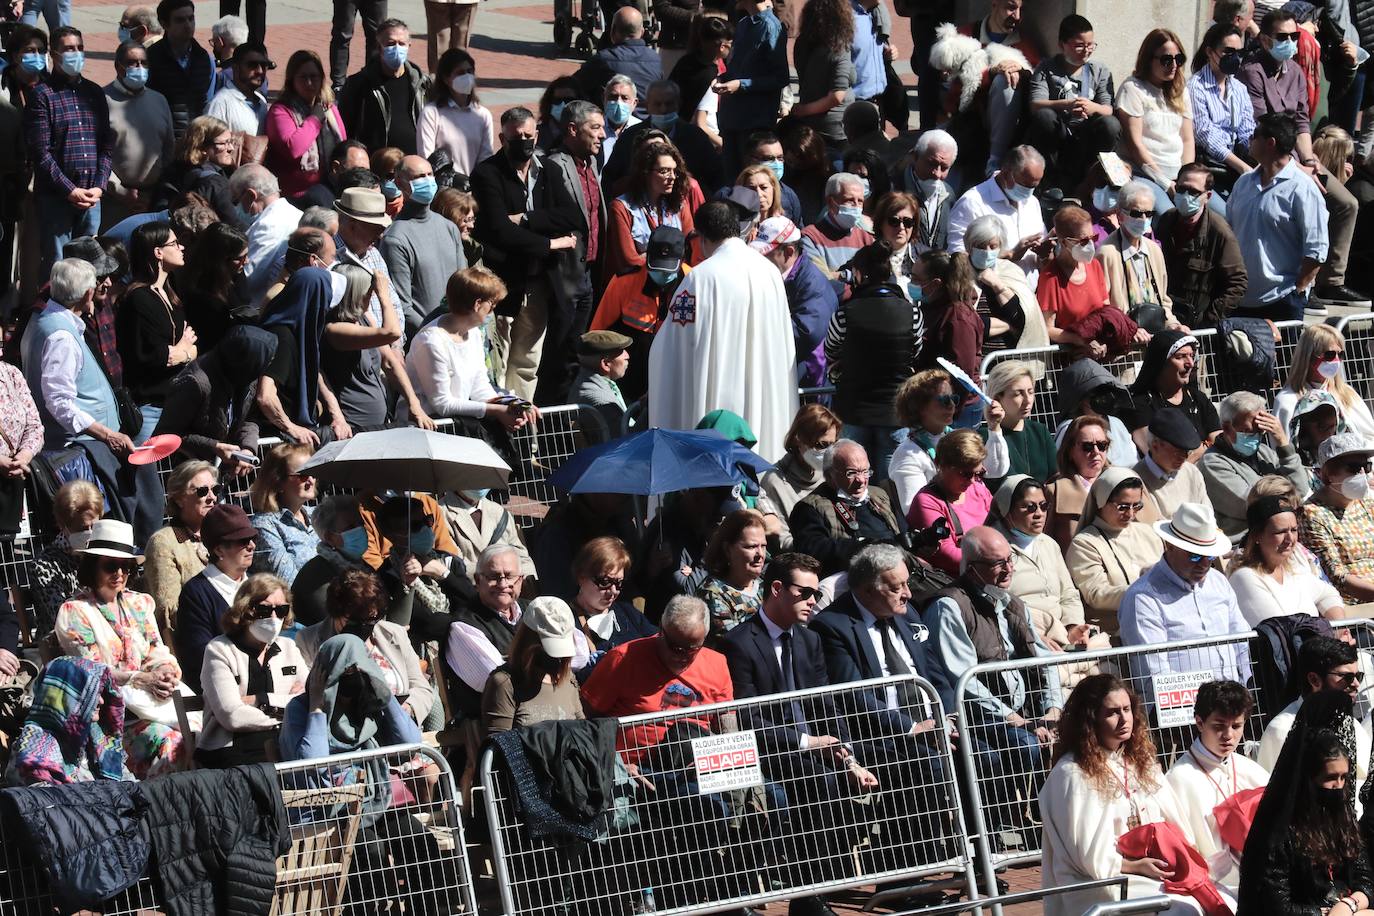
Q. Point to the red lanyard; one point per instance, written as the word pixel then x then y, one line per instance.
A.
pixel 1220 790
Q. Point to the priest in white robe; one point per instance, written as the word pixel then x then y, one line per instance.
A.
pixel 726 341
pixel 1212 771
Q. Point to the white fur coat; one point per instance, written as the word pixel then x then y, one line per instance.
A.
pixel 965 58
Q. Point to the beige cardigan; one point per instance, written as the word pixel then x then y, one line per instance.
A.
pixel 1109 255
pixel 1103 565
pixel 171 561
pixel 1042 582
pixel 223 679
pixel 394 644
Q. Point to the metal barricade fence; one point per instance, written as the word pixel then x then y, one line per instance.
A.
pixel 738 815
pixel 373 831
pixel 1003 776
pixel 1358 364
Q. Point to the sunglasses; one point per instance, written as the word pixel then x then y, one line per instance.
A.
pixel 677 649
pixel 1042 506
pixel 1224 53
pixel 947 400
pixel 1142 214
pixel 1094 446
pixel 1129 507
pixel 1356 467
pixel 302 476
pixel 113 567
pixel 969 475
pixel 202 492
pixel 805 592
pixel 261 610
pixel 1328 355
pixel 1175 60
pixel 608 582
pixel 1285 36
pixel 1197 558
pixel 1347 677
pixel 901 222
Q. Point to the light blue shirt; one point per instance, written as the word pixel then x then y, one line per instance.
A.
pixel 870 76
pixel 955 652
pixel 1160 607
pixel 1278 225
pixel 1220 124
pixel 284 544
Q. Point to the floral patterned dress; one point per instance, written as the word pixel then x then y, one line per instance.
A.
pixel 123 634
pixel 729 606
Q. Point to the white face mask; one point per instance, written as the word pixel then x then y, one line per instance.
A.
pixel 1356 487
pixel 78 540
pixel 463 84
pixel 264 631
pixel 813 457
pixel 1329 369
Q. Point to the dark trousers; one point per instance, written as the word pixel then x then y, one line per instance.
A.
pixel 256 16
pixel 134 491
pixel 341 33
pixel 1285 308
pixel 1344 107
pixel 1070 148
pixel 928 101
pixel 567 322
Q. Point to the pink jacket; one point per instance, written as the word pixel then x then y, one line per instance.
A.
pixel 972 512
pixel 290 146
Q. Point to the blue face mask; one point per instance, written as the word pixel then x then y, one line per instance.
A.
pixel 422 190
pixel 394 56
pixel 389 190
pixel 777 167
pixel 1020 193
pixel 73 62
pixel 473 496
pixel 915 292
pixel 1188 203
pixel 660 277
pixel 867 187
pixel 422 542
pixel 353 542
pixel 983 258
pixel 136 78
pixel 617 111
pixel 556 111
pixel 33 61
pixel 664 122
pixel 1284 50
pixel 243 216
pixel 848 217
pixel 1247 444
pixel 1104 199
pixel 124 34
pixel 1136 226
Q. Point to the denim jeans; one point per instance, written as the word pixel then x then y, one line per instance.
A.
pixel 56 13
pixel 58 223
pixel 151 415
pixel 1284 308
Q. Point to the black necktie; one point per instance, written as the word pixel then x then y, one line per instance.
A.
pixel 907 694
pixel 789 678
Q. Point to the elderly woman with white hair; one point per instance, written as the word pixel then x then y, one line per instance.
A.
pixel 1137 281
pixel 1007 305
pixel 1240 456
pixel 1029 444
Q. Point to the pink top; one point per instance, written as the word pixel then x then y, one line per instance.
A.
pixel 972 511
pixel 291 149
pixel 21 429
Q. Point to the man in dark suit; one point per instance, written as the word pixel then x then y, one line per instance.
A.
pixel 570 193
pixel 518 239
pixel 805 741
pixel 872 632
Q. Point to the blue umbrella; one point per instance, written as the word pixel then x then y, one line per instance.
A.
pixel 658 461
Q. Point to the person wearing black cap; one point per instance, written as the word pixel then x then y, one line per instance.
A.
pixel 605 355
pixel 634 304
pixel 1170 478
pixel 241 104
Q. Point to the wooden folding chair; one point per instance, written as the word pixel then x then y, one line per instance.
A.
pixel 313 875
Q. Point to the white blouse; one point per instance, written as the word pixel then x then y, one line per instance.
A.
pixel 1302 591
pixel 1161 130
pixel 450 377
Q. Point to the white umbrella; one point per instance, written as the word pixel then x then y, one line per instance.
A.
pixel 409 459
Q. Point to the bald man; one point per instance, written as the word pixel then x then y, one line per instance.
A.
pixel 627 54
pixel 422 249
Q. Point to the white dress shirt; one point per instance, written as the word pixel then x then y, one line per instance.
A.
pixel 1018 220
pixel 62 360
pixel 473 657
pixel 240 112
pixel 267 239
pixel 226 586
pixel 875 637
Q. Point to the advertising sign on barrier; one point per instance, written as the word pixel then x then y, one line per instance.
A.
pixel 726 762
pixel 1175 694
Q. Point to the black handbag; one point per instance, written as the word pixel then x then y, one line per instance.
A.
pixel 130 414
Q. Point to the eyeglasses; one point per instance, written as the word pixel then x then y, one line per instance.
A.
pixel 1141 214
pixel 667 172
pixel 901 222
pixel 261 610
pixel 947 400
pixel 1285 36
pixel 115 567
pixel 678 649
pixel 1346 678
pixel 202 492
pixel 253 64
pixel 606 583
pixel 1091 446
pixel 1006 562
pixel 858 474
pixel 1172 60
pixel 223 145
pixel 174 243
pixel 500 578
pixel 1328 355
pixel 1129 507
pixel 805 592
pixel 970 474
pixel 1042 506
pixel 1356 467
pixel 1082 46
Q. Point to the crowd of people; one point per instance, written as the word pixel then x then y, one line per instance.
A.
pixel 679 237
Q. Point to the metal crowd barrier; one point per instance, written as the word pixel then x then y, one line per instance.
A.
pixel 1358 365
pixel 1003 786
pixel 739 816
pixel 373 831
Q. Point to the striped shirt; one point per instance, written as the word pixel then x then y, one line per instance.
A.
pixel 68 124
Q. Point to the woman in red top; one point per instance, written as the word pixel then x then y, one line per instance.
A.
pixel 657 195
pixel 1073 284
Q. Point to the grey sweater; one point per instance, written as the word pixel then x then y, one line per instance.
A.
pixel 422 250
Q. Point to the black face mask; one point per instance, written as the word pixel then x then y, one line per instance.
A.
pixel 350 686
pixel 1330 799
pixel 362 630
pixel 520 150
pixel 1230 64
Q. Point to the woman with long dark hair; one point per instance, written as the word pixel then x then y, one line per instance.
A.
pixel 656 195
pixel 1105 783
pixel 825 71
pixel 708 44
pixel 215 283
pixel 155 340
pixel 1305 853
pixel 303 125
